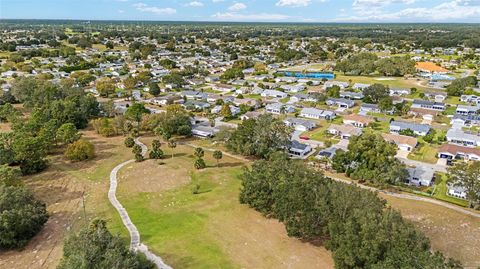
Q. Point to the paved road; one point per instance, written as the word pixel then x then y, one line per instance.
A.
pixel 393 194
pixel 135 243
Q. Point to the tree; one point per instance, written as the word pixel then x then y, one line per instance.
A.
pixel 156 152
pixel 226 112
pixel 67 133
pixel 458 86
pixel 129 142
pixel 374 93
pixel 333 92
pixel 217 155
pixel 21 216
pixel 172 144
pixel 199 152
pixel 9 176
pixel 80 150
pixel 467 175
pixel 135 112
pixel 137 149
pixel 199 164
pixel 154 89
pixel 385 104
pixel 95 247
pixel 259 137
pixel 105 86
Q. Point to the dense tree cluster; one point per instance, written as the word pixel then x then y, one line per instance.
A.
pixel 353 223
pixel 175 121
pixel 367 63
pixel 51 106
pixel 460 85
pixel 259 137
pixel 21 214
pixel 467 175
pixel 371 158
pixel 95 247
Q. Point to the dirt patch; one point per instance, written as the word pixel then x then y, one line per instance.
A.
pixel 249 239
pixel 453 233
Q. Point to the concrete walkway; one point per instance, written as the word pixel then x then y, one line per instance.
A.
pixel 135 244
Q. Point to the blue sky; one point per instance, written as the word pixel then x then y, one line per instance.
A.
pixel 247 10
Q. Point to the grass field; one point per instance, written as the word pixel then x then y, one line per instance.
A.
pixel 424 152
pixel 210 229
pixel 441 191
pixel 393 82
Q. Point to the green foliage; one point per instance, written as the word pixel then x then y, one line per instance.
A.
pixel 199 164
pixel 199 152
pixel 232 73
pixel 156 152
pixel 333 92
pixel 9 176
pixel 80 150
pixel 358 64
pixel 105 86
pixel 376 92
pixel 136 149
pixel 217 155
pixel 467 175
pixel 139 157
pixel 129 142
pixel 172 144
pixel 458 86
pixel 407 132
pixel 371 158
pixel 259 137
pixel 21 216
pixel 135 112
pixel 359 230
pixel 176 121
pixel 95 247
pixel 67 133
pixel 154 89
pixel 174 79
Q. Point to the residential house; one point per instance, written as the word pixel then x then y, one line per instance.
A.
pixel 451 152
pixel 293 88
pixel 466 120
pixel 196 105
pixel 418 129
pixel 233 109
pixel 470 99
pixel 300 124
pixel 420 176
pixel 313 113
pixel 351 95
pixel 459 137
pixel 225 88
pixel 286 79
pixel 365 108
pixel 250 115
pixel 340 102
pixel 399 91
pixel 457 191
pixel 194 95
pixel 403 142
pixel 327 153
pixel 299 150
pixel 274 94
pixel 341 84
pixel 357 120
pixel 279 108
pixel 467 110
pixel 203 131
pixel 344 131
pixel 360 86
pixel 424 104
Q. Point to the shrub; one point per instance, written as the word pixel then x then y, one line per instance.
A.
pixel 129 142
pixel 21 216
pixel 80 150
pixel 199 164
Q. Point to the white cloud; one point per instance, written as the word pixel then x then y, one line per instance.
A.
pixel 194 4
pixel 233 16
pixel 381 2
pixel 456 10
pixel 155 10
pixel 217 1
pixel 237 7
pixel 293 3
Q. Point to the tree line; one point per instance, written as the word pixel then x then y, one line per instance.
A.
pixel 356 225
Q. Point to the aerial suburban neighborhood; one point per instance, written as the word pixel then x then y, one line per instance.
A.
pixel 154 144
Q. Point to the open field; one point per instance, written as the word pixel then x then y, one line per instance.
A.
pixel 210 229
pixel 455 234
pixel 62 186
pixel 393 82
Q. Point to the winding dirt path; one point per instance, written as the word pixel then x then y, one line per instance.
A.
pixel 135 243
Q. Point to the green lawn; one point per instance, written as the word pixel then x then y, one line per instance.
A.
pixel 398 82
pixel 424 153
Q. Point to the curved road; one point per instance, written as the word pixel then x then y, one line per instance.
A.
pixel 135 243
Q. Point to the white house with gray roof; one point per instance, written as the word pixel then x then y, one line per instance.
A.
pixel 319 114
pixel 418 129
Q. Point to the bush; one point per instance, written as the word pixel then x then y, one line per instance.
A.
pixel 129 142
pixel 199 164
pixel 80 150
pixel 21 216
pixel 95 247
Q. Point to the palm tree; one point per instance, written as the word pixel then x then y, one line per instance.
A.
pixel 199 153
pixel 172 144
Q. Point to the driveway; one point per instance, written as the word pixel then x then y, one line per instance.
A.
pixel 402 154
